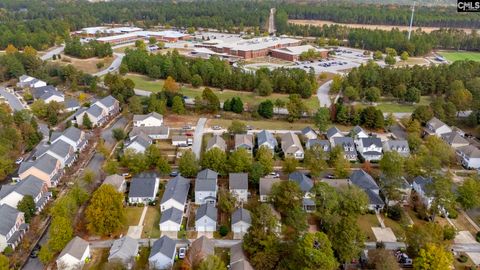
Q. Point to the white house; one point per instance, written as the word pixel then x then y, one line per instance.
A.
pixel 124 250
pixel 244 141
pixel 332 133
pixel 179 140
pixel 73 136
pixel 400 146
pixel 454 139
pixel 109 104
pixel 206 187
pixel 28 81
pixel 140 143
pixel 421 185
pixel 265 187
pixel 152 119
pixel 155 133
pixel 370 148
pixel 171 220
pixel 63 152
pixel 32 186
pixel 366 182
pixel 436 127
pixel 469 156
pixel 291 146
pixel 143 188
pixel 347 145
pixel 12 227
pixel 206 218
pixel 266 139
pixel 162 254
pixel 241 221
pixel 175 194
pixel 74 255
pixel 358 133
pixel 216 142
pixel 238 185
pixel 309 133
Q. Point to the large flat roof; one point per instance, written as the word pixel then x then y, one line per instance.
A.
pixel 256 43
pixel 145 34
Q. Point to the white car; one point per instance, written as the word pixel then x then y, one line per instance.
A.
pixel 181 252
pixel 19 160
pixel 274 175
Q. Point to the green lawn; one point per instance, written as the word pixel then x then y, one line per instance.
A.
pixel 133 214
pixel 366 222
pixel 456 56
pixel 248 98
pixel 151 227
pixel 394 107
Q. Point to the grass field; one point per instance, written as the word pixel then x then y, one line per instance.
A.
pixel 393 107
pixel 269 124
pixel 86 65
pixel 366 222
pixel 248 98
pixel 456 56
pixel 152 219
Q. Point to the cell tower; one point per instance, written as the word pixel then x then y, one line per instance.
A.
pixel 411 21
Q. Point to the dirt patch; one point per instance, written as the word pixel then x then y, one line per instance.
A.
pixel 178 121
pixel 86 65
pixel 368 26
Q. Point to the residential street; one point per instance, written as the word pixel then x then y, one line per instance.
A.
pixel 50 53
pixel 113 67
pixel 197 138
pixel 12 100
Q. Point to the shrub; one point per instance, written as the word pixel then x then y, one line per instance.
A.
pixel 395 212
pixel 448 232
pixel 462 258
pixel 477 237
pixel 452 213
pixel 223 230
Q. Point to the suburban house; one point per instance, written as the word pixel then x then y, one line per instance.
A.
pixel 358 133
pixel 436 127
pixel 200 249
pixel 241 221
pixel 421 185
pixel 238 185
pixel 124 250
pixel 73 136
pixel 216 142
pixel 96 114
pixel 206 187
pixel 12 227
pixel 265 138
pixel 244 141
pixel 332 133
pixel 238 260
pixel 45 168
pixel 206 218
pixel 31 186
pixel 400 146
pixel 175 194
pixel 117 181
pixel 155 133
pixel 291 146
pixel 365 181
pixel 347 145
pixel 265 187
pixel 71 105
pixel 109 104
pixel 323 144
pixel 309 133
pixel 31 82
pixel 171 220
pixel 140 143
pixel 63 152
pixel 152 119
pixel 306 185
pixel 47 93
pixel 370 148
pixel 162 254
pixel 469 156
pixel 454 139
pixel 143 188
pixel 181 141
pixel 74 255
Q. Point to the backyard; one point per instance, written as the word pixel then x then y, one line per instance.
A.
pixel 388 106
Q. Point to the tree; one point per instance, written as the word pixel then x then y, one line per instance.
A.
pixel 236 105
pixel 372 118
pixel 89 176
pixel 240 161
pixel 215 159
pixel 135 105
pixel 27 206
pixel 461 98
pixel 286 195
pixel 412 95
pixel 433 257
pixel 314 251
pixel 134 161
pixel 61 232
pixel 226 201
pixel 188 165
pixel 11 49
pixel 296 108
pixel 392 167
pixel 347 239
pixel 111 166
pixel 118 134
pixel 237 127
pixel 265 109
pixel 404 56
pixel 383 259
pixel 264 156
pixel 256 172
pixel 196 80
pixel 418 236
pixel 105 214
pixel 422 113
pixel 152 40
pixel 340 164
pixel 86 122
pixel 289 165
pixel 373 94
pixel 468 193
pixel 210 101
pixel 170 85
pixel 212 262
pixel 390 60
pixel 264 88
pixel 4 264
pixel 322 119
pixel 178 106
pixel 315 160
pixel 351 93
pixel 377 55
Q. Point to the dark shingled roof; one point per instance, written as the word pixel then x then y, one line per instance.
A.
pixel 302 180
pixel 241 214
pixel 143 185
pixel 177 189
pixel 206 209
pixel 363 180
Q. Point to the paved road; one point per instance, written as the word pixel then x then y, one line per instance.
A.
pixel 34 263
pixel 197 137
pixel 180 242
pixel 12 100
pixel 114 66
pixel 50 53
pixel 322 94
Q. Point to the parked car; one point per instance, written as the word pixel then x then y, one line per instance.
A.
pixel 19 160
pixel 330 176
pixel 274 175
pixel 187 127
pixel 174 173
pixel 181 252
pixel 127 175
pixel 188 134
pixel 216 127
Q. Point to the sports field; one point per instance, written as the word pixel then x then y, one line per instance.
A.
pixel 456 56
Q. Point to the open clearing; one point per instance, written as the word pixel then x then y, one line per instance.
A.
pixel 393 107
pixel 88 65
pixel 248 98
pixel 457 56
pixel 367 26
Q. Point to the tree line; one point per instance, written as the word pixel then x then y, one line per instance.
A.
pixel 91 49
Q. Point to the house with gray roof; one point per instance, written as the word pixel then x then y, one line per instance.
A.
pixel 469 156
pixel 162 254
pixel 238 260
pixel 124 250
pixel 241 221
pixel 74 255
pixel 73 136
pixel 31 82
pixel 206 187
pixel 109 104
pixel 306 185
pixel 400 146
pixel 265 187
pixel 200 249
pixel 152 119
pixel 71 105
pixel 30 186
pixel 436 127
pixel 366 182
pixel 117 181
pixel 370 148
pixel 309 133
pixel 206 218
pixel 143 188
pixel 244 141
pixel 171 220
pixel 333 132
pixel 175 194
pixel 155 133
pixel 291 146
pixel 63 152
pixel 45 168
pixel 347 145
pixel 454 139
pixel 358 133
pixel 265 138
pixel 238 185
pixel 422 187
pixel 216 142
pixel 140 143
pixel 323 144
pixel 12 227
pixel 48 94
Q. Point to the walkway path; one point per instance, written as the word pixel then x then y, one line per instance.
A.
pixel 380 220
pixel 322 94
pixel 52 52
pixel 197 137
pixel 142 217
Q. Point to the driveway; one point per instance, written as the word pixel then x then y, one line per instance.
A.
pixel 12 100
pixel 322 94
pixel 113 67
pixel 107 134
pixel 50 53
pixel 197 141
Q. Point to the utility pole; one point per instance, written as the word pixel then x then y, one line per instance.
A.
pixel 411 21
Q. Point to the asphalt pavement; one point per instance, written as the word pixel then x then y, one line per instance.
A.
pixel 114 66
pixel 322 94
pixel 52 52
pixel 12 100
pixel 197 137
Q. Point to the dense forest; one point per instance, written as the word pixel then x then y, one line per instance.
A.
pixel 93 48
pixel 217 73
